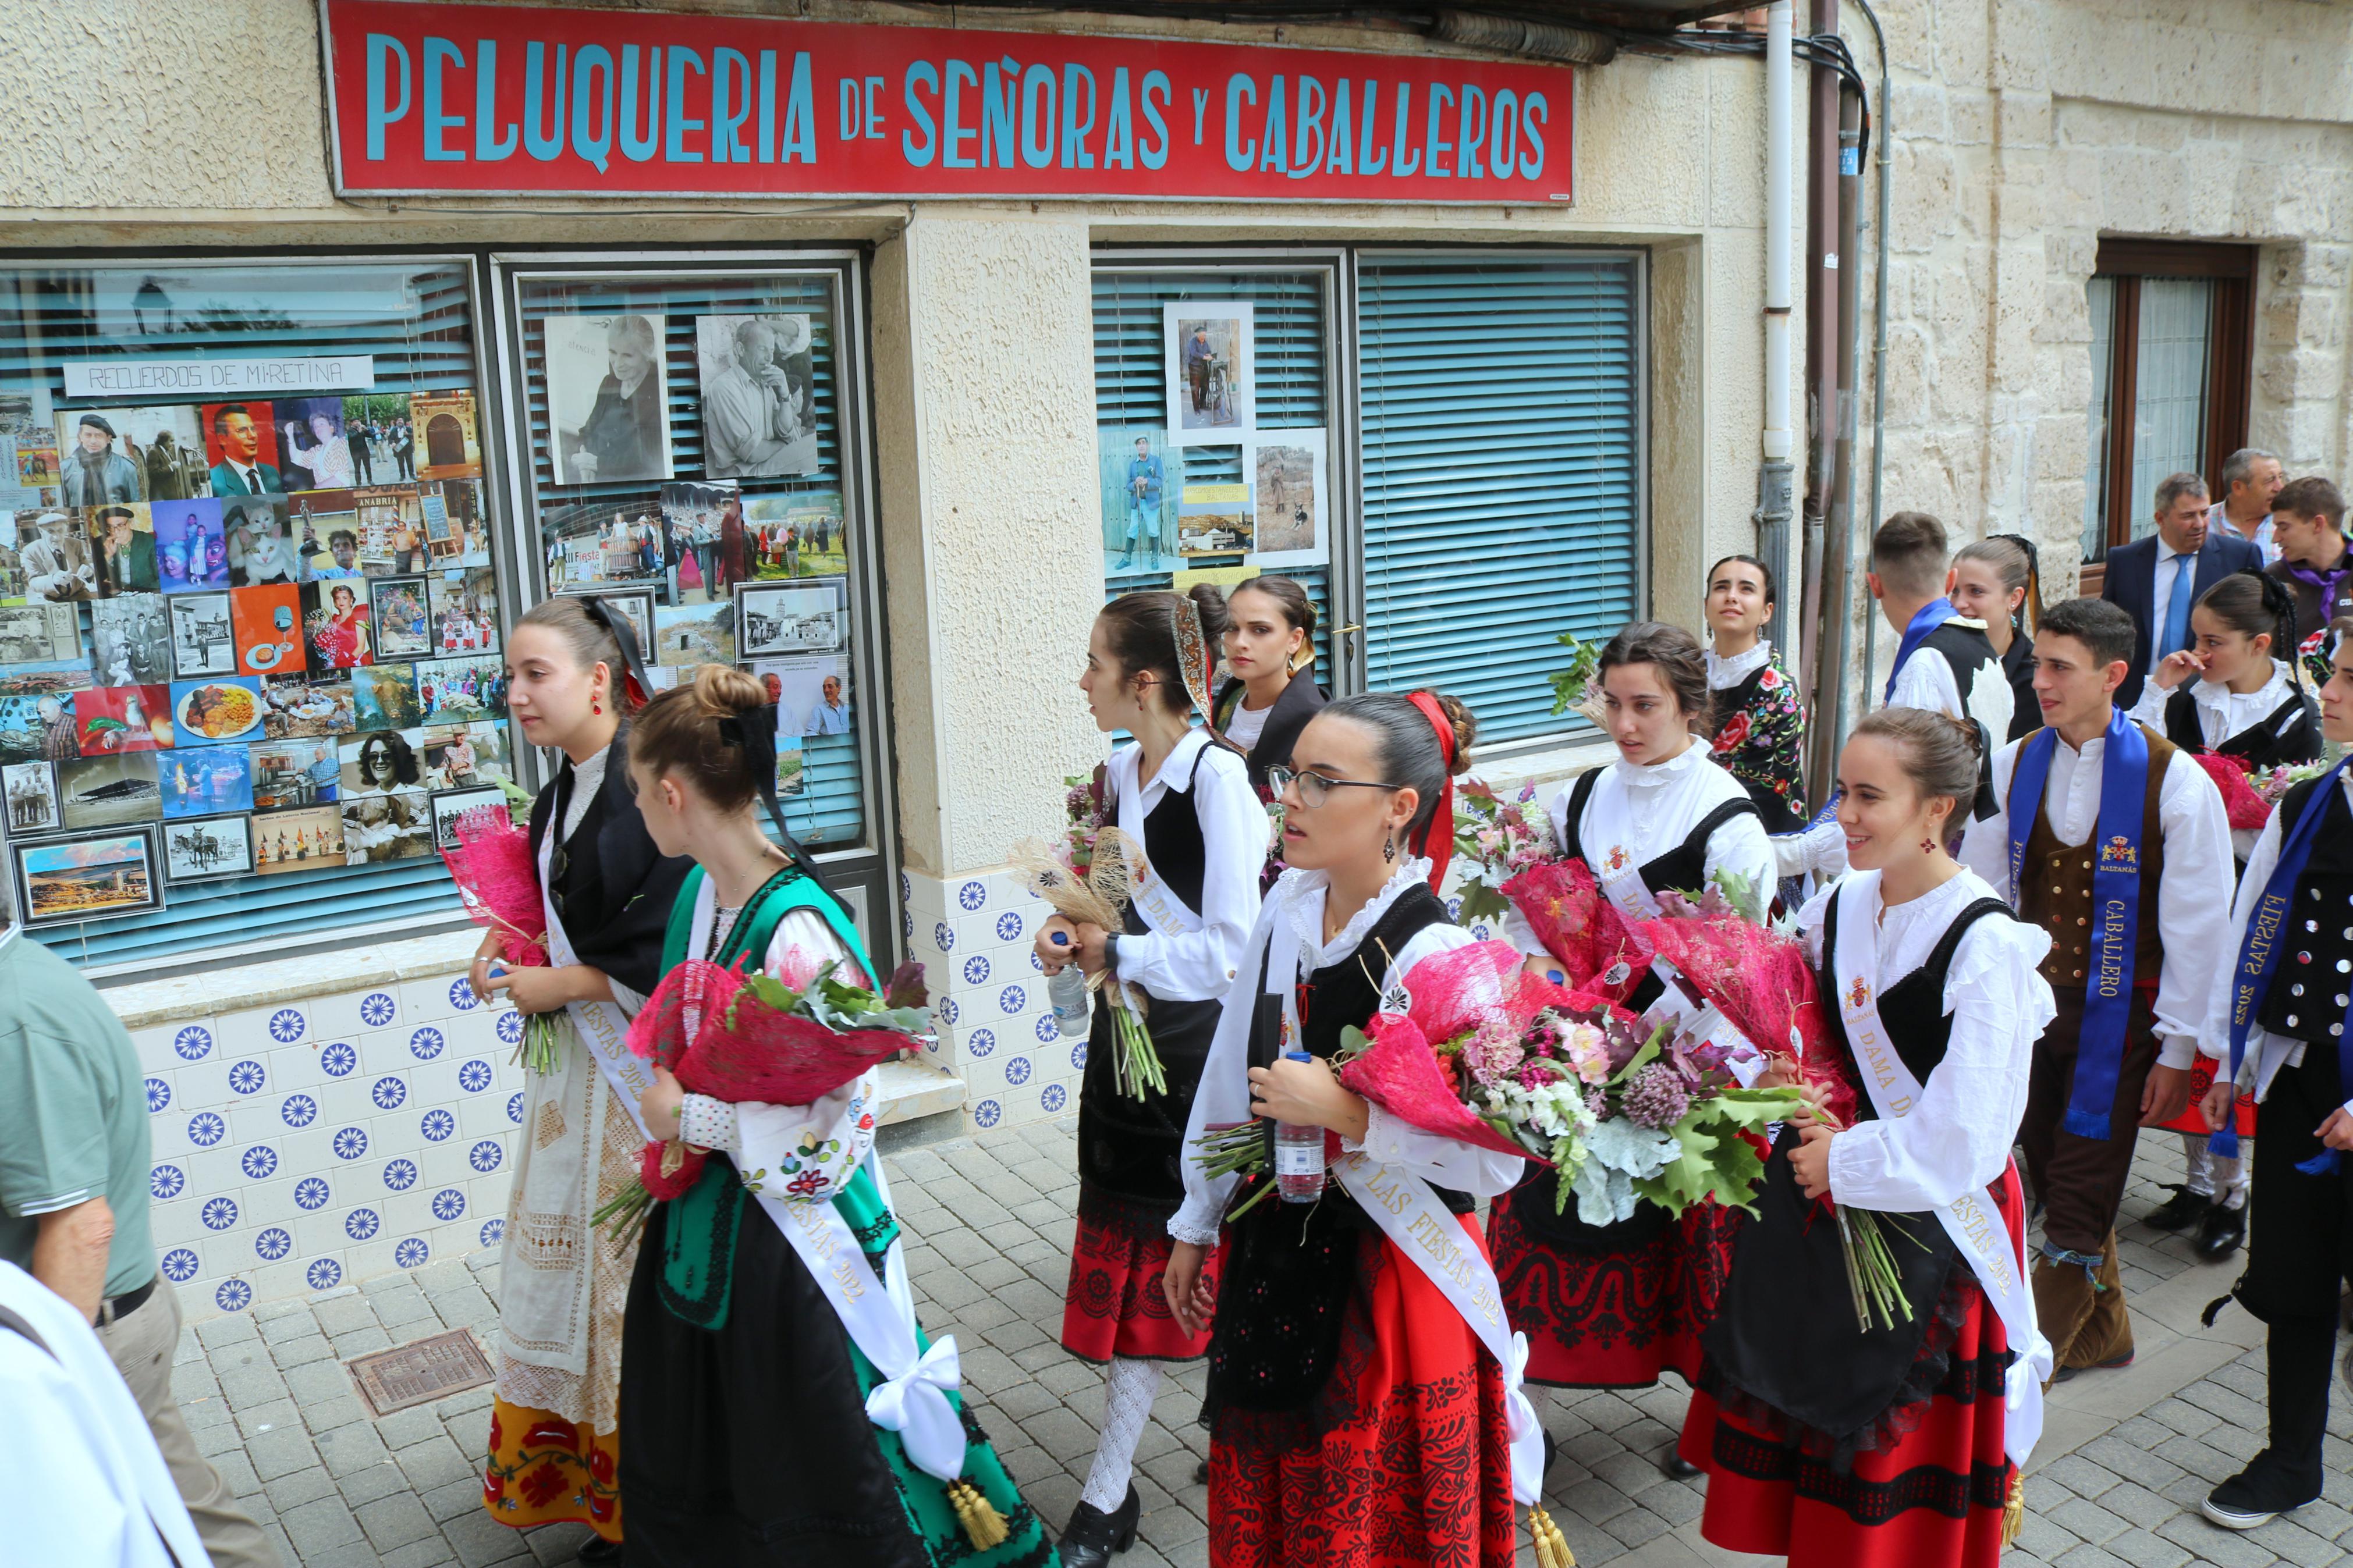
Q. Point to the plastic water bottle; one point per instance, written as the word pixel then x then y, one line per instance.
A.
pixel 1066 988
pixel 1298 1155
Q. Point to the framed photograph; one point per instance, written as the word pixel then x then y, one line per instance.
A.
pixel 204 641
pixel 122 539
pixel 381 762
pixel 39 634
pixel 59 881
pixel 216 712
pixel 294 707
pixel 466 756
pixel 130 641
pixel 160 452
pixel 1141 476
pixel 303 839
pixel 191 548
pixel 381 828
pixel 335 625
pixel 1285 471
pixel 267 623
pixel 403 622
pixel 759 408
pixel 384 445
pixel 383 696
pixel 592 543
pixel 109 792
pixel 450 804
pixel 1215 519
pixel 38 728
pixel 326 529
pixel 206 780
pixel 205 848
pixel 608 397
pixel 687 635
pixel 811 695
pixel 54 564
pixel 294 773
pixel 460 690
pixel 464 605
pixel 241 445
pixel 797 535
pixel 1210 370
pixel 443 430
pixel 789 619
pixel 32 792
pixel 113 721
pixel 314 453
pixel 454 507
pixel 637 608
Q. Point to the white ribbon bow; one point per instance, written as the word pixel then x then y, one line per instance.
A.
pixel 915 1406
pixel 1526 1431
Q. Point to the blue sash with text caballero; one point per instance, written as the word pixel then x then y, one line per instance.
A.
pixel 2115 903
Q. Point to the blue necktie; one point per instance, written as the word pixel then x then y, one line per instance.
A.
pixel 2177 609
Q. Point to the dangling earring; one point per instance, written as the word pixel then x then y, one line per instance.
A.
pixel 1388 849
pixel 595 706
pixel 1927 847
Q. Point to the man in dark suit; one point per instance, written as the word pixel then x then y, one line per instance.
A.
pixel 241 471
pixel 2157 578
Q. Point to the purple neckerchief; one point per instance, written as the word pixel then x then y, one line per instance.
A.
pixel 2325 582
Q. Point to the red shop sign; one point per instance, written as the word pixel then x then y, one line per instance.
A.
pixel 453 100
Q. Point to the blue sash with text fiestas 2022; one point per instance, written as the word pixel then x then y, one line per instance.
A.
pixel 2115 903
pixel 2259 952
pixel 1932 614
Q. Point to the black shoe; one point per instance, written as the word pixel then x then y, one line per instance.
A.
pixel 1202 1474
pixel 1552 1451
pixel 2220 1233
pixel 1092 1536
pixel 2256 1496
pixel 597 1550
pixel 2180 1212
pixel 1678 1467
pixel 2114 1364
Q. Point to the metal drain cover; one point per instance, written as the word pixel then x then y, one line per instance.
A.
pixel 419 1372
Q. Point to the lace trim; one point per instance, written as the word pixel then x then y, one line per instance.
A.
pixel 594 1397
pixel 1655 775
pixel 1723 674
pixel 1412 870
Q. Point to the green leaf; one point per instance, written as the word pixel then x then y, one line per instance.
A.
pixel 1568 685
pixel 1481 901
pixel 1642 1058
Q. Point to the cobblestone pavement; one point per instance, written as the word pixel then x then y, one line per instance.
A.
pixel 2123 1463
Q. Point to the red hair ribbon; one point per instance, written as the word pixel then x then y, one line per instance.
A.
pixel 1437 834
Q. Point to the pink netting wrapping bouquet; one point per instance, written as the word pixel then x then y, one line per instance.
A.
pixel 1597 951
pixel 2247 807
pixel 498 883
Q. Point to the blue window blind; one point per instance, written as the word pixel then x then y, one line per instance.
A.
pixel 416 319
pixel 1500 445
pixel 829 812
pixel 1292 333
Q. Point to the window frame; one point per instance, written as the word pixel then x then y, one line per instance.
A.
pixel 2230 363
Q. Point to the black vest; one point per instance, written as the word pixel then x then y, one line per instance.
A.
pixel 1682 868
pixel 1291 1268
pixel 1786 1332
pixel 2018 665
pixel 2309 991
pixel 1779 812
pixel 1967 650
pixel 2289 733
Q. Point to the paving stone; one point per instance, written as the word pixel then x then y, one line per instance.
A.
pixel 351 1554
pixel 481 1541
pixel 223 1332
pixel 327 1414
pixel 369 1482
pixel 2086 1521
pixel 282 1320
pixel 313 1527
pixel 434 1462
pixel 246 1386
pixel 2223 1548
pixel 2143 1550
pixel 308 1484
pixel 347 1448
pixel 308 1350
pixel 445 1503
pixel 360 1342
pixel 398 1519
pixel 430 1552
pixel 344 1314
pixel 236 1471
pixel 402 1427
pixel 264 1417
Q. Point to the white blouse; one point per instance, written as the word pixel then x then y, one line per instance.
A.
pixel 749 1132
pixel 1196 965
pixel 1244 726
pixel 2224 715
pixel 2195 882
pixel 2266 1053
pixel 1661 802
pixel 1927 679
pixel 1223 1098
pixel 1724 674
pixel 1957 1139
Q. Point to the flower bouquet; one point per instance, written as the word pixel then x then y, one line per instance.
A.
pixel 1495 839
pixel 2246 806
pixel 498 882
pixel 787 1039
pixel 1598 952
pixel 1086 882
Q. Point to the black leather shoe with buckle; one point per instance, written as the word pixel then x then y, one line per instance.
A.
pixel 1092 1536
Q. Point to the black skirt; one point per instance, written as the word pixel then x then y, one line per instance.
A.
pixel 1132 1150
pixel 750 1446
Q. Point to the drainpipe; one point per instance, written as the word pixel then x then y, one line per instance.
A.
pixel 1772 514
pixel 1885 137
pixel 1838 552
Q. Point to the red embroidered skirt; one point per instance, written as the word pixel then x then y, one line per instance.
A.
pixel 2201 1078
pixel 1613 1317
pixel 1418 1473
pixel 1114 1305
pixel 1931 1498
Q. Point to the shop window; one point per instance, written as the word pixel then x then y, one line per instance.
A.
pixel 2172 341
pixel 250 604
pixel 689 457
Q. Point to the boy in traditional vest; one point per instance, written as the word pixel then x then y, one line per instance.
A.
pixel 2115 841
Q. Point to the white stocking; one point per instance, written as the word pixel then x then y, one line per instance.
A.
pixel 1127 1406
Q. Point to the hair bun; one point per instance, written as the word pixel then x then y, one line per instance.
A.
pixel 720 690
pixel 1462 722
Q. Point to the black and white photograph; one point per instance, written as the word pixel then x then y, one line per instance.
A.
pixel 63 881
pixel 608 397
pixel 41 634
pixel 203 847
pixel 1285 468
pixel 32 792
pixel 1209 369
pixel 379 828
pixel 782 618
pixel 637 608
pixel 759 412
pixel 202 643
pixel 450 804
pixel 130 641
pixel 107 792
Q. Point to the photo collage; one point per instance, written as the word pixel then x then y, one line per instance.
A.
pixel 710 557
pixel 244 637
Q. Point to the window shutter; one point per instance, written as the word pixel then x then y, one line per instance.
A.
pixel 1500 438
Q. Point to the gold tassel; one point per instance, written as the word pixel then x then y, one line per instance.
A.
pixel 1551 1547
pixel 983 1525
pixel 2014 1508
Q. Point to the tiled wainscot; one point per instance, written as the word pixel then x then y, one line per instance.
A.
pixel 973 936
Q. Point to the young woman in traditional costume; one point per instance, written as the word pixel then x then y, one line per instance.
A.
pixel 1998 581
pixel 1612 1306
pixel 1356 1417
pixel 1188 802
pixel 1270 648
pixel 751 1400
pixel 1760 722
pixel 2279 1014
pixel 1891 1446
pixel 2226 694
pixel 607 889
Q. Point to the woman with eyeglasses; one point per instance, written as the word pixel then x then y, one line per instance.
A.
pixel 1611 1306
pixel 608 892
pixel 1356 1414
pixel 1187 800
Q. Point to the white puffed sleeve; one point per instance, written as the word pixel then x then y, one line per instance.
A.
pixel 801 1153
pixel 1957 1138
pixel 1197 965
pixel 1222 1099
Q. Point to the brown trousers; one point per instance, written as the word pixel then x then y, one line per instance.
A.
pixel 2080 1182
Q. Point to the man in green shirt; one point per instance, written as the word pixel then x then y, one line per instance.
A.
pixel 73 1205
